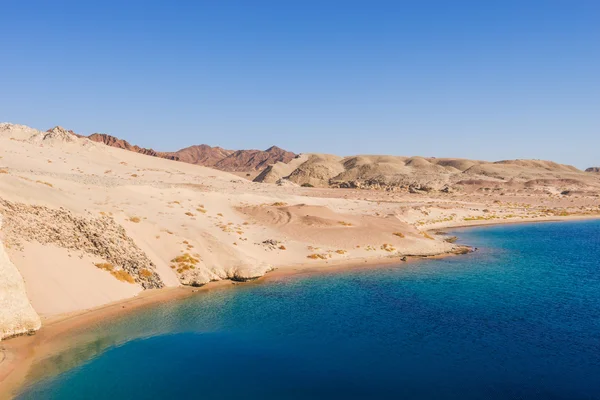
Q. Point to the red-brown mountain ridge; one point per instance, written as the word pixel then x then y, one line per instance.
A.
pixel 205 155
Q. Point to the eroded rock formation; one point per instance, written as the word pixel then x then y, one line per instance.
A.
pixel 16 314
pixel 101 237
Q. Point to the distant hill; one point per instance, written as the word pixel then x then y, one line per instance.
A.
pixel 246 160
pixel 124 144
pixel 420 174
pixel 380 172
pixel 205 155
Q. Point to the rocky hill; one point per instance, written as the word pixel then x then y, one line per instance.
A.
pixel 418 174
pixel 123 144
pixel 205 155
pixel 202 155
pixel 389 173
pixel 248 160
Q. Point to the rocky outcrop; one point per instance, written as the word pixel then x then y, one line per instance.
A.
pixel 276 172
pixel 55 136
pixel 254 160
pixel 593 169
pixel 202 154
pixel 16 314
pixel 124 144
pixel 317 171
pixel 207 156
pixel 101 237
pixel 61 133
pixel 423 175
pixel 16 131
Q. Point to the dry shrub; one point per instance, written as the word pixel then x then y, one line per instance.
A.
pixel 3 171
pixel 184 262
pixel 144 273
pixel 135 220
pixel 388 247
pixel 120 274
pixel 189 214
pixel 105 266
pixel 341 251
pixel 123 276
pixel 282 247
pixel 399 234
pixel 316 256
pixel 185 258
pixel 279 204
pixel 344 223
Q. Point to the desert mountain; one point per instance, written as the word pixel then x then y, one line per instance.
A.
pixel 202 155
pixel 123 144
pixel 215 157
pixel 418 174
pixel 247 160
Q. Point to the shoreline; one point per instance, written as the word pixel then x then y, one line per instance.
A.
pixel 483 223
pixel 19 353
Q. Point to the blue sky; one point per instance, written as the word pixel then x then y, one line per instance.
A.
pixel 476 79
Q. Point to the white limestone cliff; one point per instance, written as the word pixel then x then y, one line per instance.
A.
pixel 17 316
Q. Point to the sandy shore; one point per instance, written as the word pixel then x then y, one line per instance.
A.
pixel 17 355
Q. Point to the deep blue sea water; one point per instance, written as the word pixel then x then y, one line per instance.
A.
pixel 518 319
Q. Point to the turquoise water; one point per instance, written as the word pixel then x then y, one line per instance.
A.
pixel 518 319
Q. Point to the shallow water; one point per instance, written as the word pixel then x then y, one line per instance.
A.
pixel 518 319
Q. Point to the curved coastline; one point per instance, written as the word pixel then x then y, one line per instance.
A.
pixel 18 354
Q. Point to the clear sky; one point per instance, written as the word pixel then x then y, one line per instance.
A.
pixel 481 79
